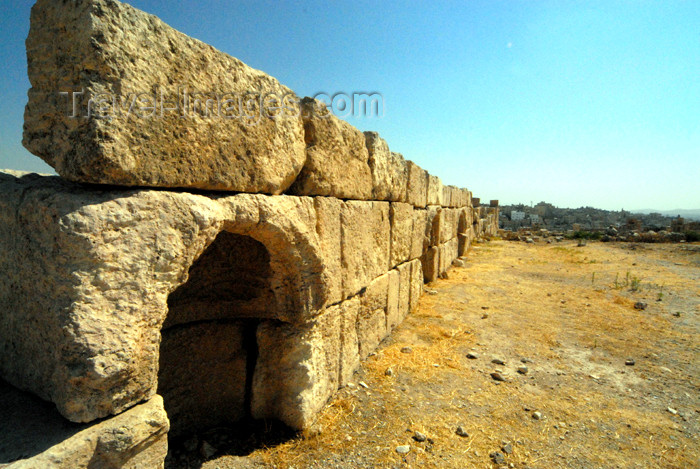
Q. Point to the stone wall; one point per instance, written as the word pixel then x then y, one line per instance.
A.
pixel 261 295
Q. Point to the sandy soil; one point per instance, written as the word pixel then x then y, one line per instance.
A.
pixel 568 315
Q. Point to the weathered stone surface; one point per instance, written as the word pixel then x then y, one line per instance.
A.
pixel 450 221
pixel 297 369
pixel 430 263
pixel 33 435
pixel 404 289
pixel 401 216
pixel 202 375
pixel 348 311
pixel 393 316
pixel 389 170
pixel 420 239
pixel 134 67
pixel 365 235
pixel 328 211
pixel 372 318
pixel 336 157
pixel 434 190
pixel 416 284
pixel 436 215
pixel 464 243
pixel 80 321
pixel 417 189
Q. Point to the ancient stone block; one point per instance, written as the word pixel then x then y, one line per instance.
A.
pixel 393 317
pixel 34 435
pixel 372 318
pixel 450 221
pixel 80 320
pixel 434 190
pixel 329 234
pixel 436 217
pixel 336 157
pixel 401 216
pixel 365 235
pixel 417 189
pixel 389 170
pixel 464 243
pixel 297 369
pixel 420 239
pixel 430 263
pixel 404 289
pixel 416 284
pixel 150 122
pixel 349 359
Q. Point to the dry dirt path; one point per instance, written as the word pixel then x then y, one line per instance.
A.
pixel 565 313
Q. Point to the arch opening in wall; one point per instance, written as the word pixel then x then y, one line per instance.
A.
pixel 208 345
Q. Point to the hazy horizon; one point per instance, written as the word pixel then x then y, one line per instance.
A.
pixel 574 103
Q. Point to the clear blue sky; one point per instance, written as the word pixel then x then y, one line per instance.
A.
pixel 575 103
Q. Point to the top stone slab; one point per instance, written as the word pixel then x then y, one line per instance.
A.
pixel 119 97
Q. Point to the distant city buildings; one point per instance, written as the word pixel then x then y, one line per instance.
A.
pixel 546 215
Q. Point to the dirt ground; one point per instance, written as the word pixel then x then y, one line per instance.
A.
pixel 614 386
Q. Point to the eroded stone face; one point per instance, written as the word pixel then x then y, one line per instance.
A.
pixel 134 67
pixel 80 320
pixel 389 170
pixel 336 157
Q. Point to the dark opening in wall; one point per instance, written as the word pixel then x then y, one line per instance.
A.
pixel 208 349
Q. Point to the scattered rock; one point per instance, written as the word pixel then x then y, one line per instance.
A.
pixel 629 362
pixel 461 432
pixel 420 437
pixel 522 370
pixel 458 263
pixel 672 411
pixel 403 449
pixel 525 360
pixel 389 372
pixel 485 315
pixel 363 384
pixel 677 314
pixel 472 355
pixel 498 457
pixel 537 415
pixel 431 292
pixel 484 307
pixel 507 448
pixel 640 305
pixel 498 361
pixel 497 376
pixel 207 450
pixel 406 350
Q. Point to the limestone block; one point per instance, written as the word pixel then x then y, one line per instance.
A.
pixel 150 123
pixel 416 284
pixel 336 157
pixel 372 318
pixel 328 229
pixel 430 263
pixel 195 400
pixel 446 196
pixel 85 279
pixel 434 190
pixel 297 369
pixel 404 289
pixel 417 189
pixel 34 435
pixel 436 216
pixel 389 170
pixel 450 221
pixel 393 316
pixel 420 239
pixel 464 243
pixel 349 343
pixel 401 216
pixel 366 237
